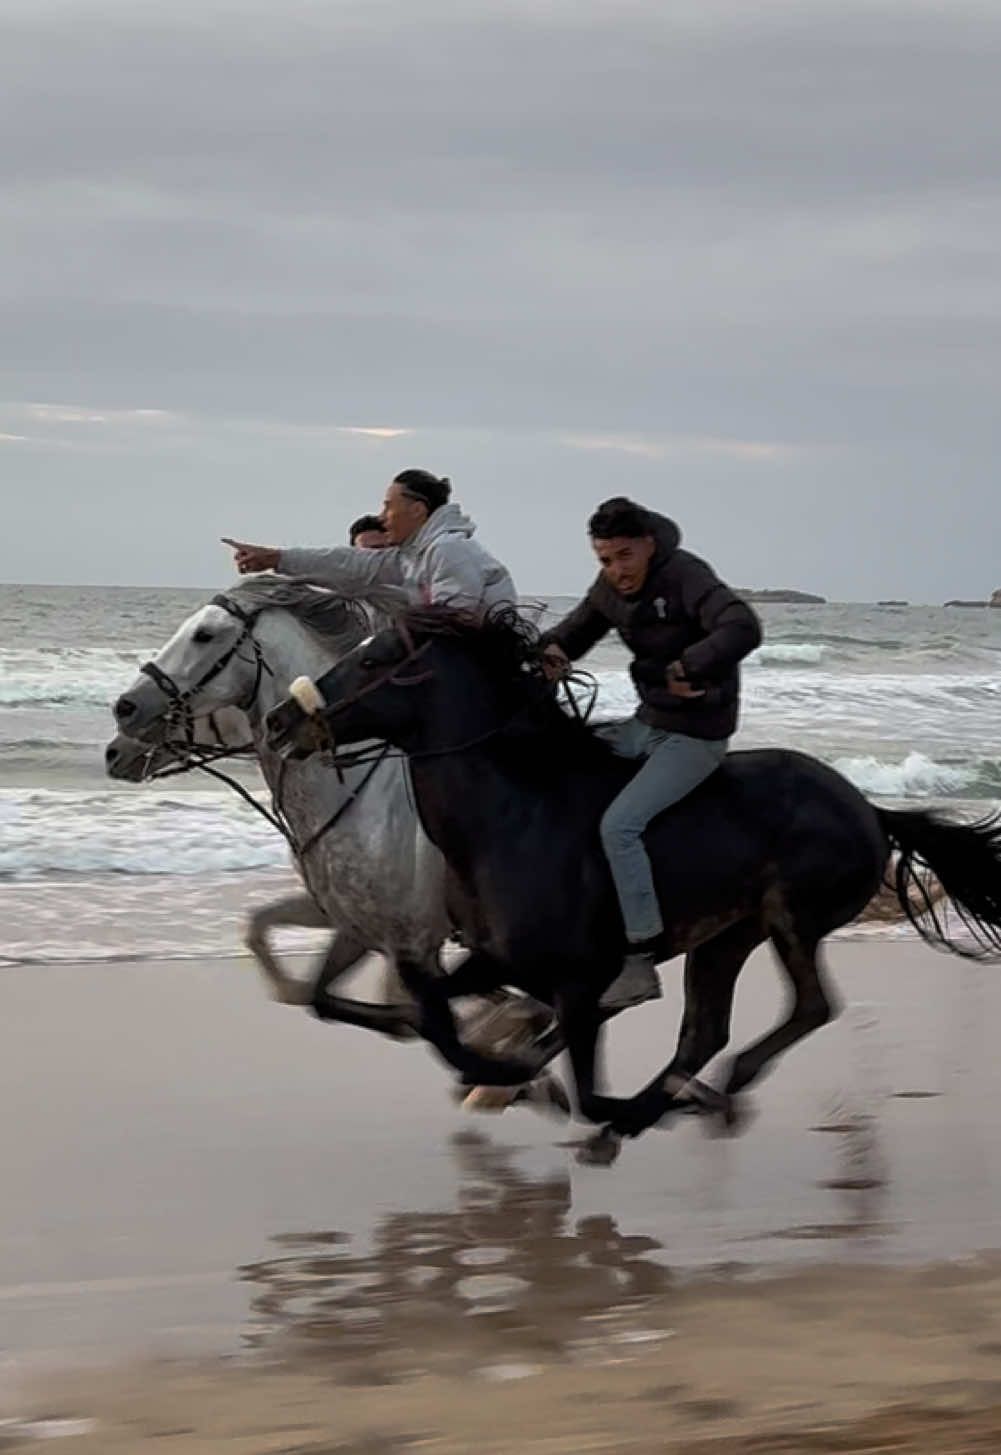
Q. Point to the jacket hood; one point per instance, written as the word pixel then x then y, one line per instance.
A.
pixel 448 519
pixel 666 533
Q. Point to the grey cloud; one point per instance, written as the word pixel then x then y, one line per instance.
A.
pixel 508 224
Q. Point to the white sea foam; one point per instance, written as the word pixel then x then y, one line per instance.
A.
pixel 131 832
pixel 60 676
pixel 907 704
pixel 916 776
pixel 796 654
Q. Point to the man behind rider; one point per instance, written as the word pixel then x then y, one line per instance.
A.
pixel 429 552
pixel 687 632
pixel 367 533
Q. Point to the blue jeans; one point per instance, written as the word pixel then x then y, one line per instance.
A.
pixel 675 764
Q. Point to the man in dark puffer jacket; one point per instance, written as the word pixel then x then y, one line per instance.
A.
pixel 687 632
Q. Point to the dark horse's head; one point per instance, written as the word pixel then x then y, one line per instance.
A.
pixel 435 681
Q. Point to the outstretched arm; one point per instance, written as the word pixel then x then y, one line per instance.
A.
pixel 350 571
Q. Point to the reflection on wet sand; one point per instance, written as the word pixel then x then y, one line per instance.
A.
pixel 860 1180
pixel 503 1280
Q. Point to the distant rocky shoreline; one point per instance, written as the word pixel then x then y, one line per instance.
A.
pixel 995 601
pixel 797 598
pixel 806 598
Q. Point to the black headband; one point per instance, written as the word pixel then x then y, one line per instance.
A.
pixel 431 492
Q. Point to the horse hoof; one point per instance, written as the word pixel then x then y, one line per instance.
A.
pixel 693 1097
pixel 546 1094
pixel 738 1115
pixel 400 1030
pixel 294 993
pixel 601 1150
pixel 731 1119
pixel 490 1099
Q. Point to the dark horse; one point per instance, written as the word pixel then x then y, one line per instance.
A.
pixel 774 846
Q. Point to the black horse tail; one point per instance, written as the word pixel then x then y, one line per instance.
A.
pixel 966 861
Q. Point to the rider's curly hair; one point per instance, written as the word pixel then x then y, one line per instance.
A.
pixel 619 517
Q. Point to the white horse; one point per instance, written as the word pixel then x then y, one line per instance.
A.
pixel 370 870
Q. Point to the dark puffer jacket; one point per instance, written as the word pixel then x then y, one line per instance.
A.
pixel 685 613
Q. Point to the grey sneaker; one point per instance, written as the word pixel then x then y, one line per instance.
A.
pixel 636 982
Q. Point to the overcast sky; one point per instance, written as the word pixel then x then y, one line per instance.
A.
pixel 737 258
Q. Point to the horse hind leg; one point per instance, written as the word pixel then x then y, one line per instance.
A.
pixel 812 1003
pixel 711 971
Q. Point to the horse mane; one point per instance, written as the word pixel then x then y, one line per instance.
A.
pixel 505 641
pixel 507 646
pixel 321 610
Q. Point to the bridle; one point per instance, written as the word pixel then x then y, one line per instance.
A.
pixel 188 744
pixel 391 677
pixel 188 754
pixel 180 699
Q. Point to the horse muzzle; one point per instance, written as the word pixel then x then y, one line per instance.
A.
pixel 127 761
pixel 292 730
pixel 142 712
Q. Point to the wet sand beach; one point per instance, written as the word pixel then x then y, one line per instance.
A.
pixel 225 1226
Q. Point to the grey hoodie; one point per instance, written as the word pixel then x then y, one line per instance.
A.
pixel 439 565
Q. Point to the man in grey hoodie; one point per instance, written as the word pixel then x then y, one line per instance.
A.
pixel 430 553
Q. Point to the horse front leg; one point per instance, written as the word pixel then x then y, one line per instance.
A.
pixel 436 1024
pixel 302 912
pixel 502 1023
pixel 396 1021
pixel 711 971
pixel 581 1024
pixel 500 1018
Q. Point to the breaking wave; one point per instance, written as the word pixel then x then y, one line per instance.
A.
pixel 45 833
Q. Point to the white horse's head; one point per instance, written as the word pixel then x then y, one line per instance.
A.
pixel 217 658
